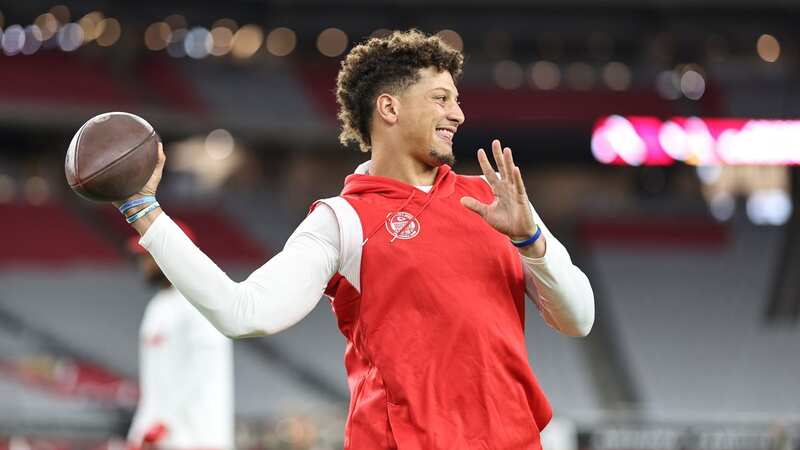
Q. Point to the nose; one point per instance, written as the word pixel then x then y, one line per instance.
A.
pixel 455 114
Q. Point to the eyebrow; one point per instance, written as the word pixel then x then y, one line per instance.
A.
pixel 448 90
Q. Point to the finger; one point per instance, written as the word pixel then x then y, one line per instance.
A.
pixel 497 152
pixel 508 155
pixel 162 159
pixel 508 159
pixel 519 185
pixel 476 206
pixel 486 167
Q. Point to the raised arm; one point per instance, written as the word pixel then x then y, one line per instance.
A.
pixel 561 291
pixel 274 297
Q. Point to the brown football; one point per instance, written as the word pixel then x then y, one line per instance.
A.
pixel 111 157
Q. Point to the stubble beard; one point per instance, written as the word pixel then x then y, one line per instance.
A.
pixel 442 158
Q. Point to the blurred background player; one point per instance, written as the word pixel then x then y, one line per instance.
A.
pixel 185 371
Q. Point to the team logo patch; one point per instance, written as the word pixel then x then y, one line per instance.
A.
pixel 402 225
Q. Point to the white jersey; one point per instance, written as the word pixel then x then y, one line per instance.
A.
pixel 185 376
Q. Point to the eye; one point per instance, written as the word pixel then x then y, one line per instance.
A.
pixel 440 97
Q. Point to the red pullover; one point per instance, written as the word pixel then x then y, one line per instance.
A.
pixel 436 355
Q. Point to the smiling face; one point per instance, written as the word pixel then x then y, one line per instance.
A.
pixel 429 117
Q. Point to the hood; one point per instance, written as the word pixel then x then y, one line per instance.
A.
pixel 362 183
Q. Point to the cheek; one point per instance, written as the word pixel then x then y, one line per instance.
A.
pixel 419 126
pixel 416 127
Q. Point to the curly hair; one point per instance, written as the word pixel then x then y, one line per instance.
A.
pixel 386 64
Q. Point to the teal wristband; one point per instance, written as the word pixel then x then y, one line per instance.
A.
pixel 142 213
pixel 530 240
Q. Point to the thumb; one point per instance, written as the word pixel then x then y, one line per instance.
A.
pixel 162 158
pixel 475 205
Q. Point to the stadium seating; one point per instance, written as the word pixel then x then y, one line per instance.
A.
pixel 76 306
pixel 691 324
pixel 68 240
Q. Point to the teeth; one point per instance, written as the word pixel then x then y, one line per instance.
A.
pixel 448 133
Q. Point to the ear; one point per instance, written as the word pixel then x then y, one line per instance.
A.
pixel 387 108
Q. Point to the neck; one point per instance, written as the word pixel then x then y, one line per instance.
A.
pixel 402 167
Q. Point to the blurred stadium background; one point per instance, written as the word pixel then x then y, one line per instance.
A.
pixel 686 225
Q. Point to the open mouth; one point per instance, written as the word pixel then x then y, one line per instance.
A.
pixel 446 134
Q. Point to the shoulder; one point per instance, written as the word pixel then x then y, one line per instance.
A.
pixel 339 211
pixel 351 235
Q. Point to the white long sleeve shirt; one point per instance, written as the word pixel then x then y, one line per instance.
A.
pixel 185 376
pixel 285 289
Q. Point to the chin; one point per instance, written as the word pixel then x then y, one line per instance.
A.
pixel 441 157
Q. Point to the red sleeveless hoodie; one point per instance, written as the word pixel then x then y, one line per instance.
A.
pixel 435 355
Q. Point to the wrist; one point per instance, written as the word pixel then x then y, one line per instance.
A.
pixel 140 211
pixel 533 245
pixel 537 250
pixel 526 236
pixel 143 224
pixel 527 240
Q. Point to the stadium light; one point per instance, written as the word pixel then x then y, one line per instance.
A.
pixel 508 74
pixel 70 37
pixel 281 41
pixel 61 13
pixel 545 75
pixel 36 190
pixel 452 38
pixel 33 40
pixel 222 40
pixel 617 76
pixel 175 47
pixel 332 42
pixel 92 25
pixel 219 144
pixel 13 40
pixel 198 43
pixel 768 48
pixel 111 31
pixel 157 36
pixel 693 85
pixel 48 25
pixel 247 41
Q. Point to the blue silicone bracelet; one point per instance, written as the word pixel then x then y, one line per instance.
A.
pixel 125 207
pixel 530 240
pixel 142 213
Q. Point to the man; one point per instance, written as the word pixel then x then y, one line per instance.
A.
pixel 185 372
pixel 427 270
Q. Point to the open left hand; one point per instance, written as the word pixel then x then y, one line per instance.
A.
pixel 510 212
